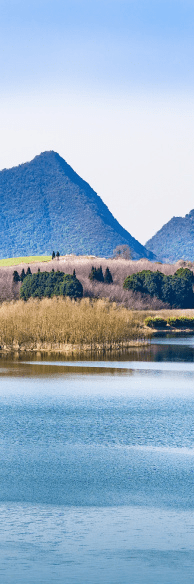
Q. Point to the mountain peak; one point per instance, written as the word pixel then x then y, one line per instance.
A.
pixel 46 205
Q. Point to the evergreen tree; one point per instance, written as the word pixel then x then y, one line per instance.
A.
pixel 16 276
pixel 99 274
pixel 53 255
pixel 74 274
pixel 176 290
pixel 108 276
pixel 96 274
pixel 57 255
pixel 28 271
pixel 92 274
pixel 50 284
pixel 23 275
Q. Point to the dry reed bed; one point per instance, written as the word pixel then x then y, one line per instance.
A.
pixel 60 323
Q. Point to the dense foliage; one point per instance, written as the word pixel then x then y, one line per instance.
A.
pixel 20 278
pixel 178 322
pixel 156 322
pixel 175 240
pixel 45 205
pixel 176 290
pixel 97 274
pixel 48 284
pixel 108 279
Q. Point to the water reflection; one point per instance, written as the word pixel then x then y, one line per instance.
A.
pixel 97 460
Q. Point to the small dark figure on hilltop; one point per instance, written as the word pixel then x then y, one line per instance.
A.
pixel 16 276
pixel 74 274
pixel 96 274
pixel 57 255
pixel 28 273
pixel 53 255
pixel 108 277
pixel 23 275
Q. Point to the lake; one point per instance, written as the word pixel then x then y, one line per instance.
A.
pixel 97 467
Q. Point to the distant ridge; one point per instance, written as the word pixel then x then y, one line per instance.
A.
pixel 45 206
pixel 175 240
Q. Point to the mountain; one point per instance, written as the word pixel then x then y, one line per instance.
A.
pixel 46 206
pixel 175 240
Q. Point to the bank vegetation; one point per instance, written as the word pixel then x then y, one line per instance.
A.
pixel 63 324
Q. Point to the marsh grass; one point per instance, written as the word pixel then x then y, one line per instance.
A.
pixel 61 323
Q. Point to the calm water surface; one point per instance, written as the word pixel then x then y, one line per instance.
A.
pixel 97 468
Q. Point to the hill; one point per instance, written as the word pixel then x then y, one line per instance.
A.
pixel 120 269
pixel 45 206
pixel 175 240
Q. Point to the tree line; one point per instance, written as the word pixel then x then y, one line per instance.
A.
pixel 49 284
pixel 176 290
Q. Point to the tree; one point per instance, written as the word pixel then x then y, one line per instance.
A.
pixel 71 286
pixel 53 255
pixel 96 274
pixel 50 284
pixel 16 276
pixel 74 274
pixel 57 255
pixel 122 251
pixel 176 290
pixel 28 271
pixel 23 275
pixel 108 276
pixel 92 274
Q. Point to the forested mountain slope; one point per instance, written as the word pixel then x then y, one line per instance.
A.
pixel 45 206
pixel 175 240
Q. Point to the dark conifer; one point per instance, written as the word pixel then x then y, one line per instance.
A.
pixel 53 255
pixel 28 273
pixel 108 277
pixel 16 276
pixel 96 274
pixel 99 274
pixel 92 274
pixel 23 275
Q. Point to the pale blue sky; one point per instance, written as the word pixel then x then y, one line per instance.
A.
pixel 110 86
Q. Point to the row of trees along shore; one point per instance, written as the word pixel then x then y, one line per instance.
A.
pixel 175 290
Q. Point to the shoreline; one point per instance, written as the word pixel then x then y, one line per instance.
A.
pixel 68 349
pixel 62 348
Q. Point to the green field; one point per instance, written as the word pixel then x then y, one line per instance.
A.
pixel 24 260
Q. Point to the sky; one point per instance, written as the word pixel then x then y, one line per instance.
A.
pixel 109 85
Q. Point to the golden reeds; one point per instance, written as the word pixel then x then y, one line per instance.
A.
pixel 60 322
